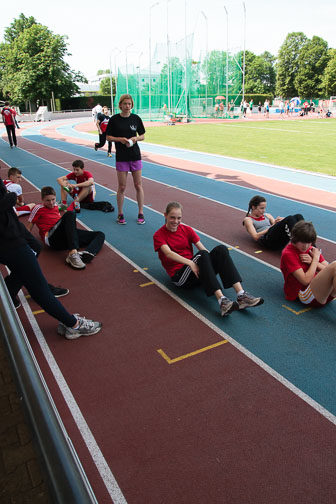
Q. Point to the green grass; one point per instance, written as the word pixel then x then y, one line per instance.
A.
pixel 303 144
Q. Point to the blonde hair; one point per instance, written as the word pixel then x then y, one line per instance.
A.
pixel 125 97
pixel 171 205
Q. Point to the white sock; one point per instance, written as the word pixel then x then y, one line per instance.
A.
pixel 220 300
pixel 240 293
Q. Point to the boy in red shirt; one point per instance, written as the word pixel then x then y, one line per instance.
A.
pixel 12 184
pixel 8 117
pixel 83 188
pixel 308 276
pixel 61 233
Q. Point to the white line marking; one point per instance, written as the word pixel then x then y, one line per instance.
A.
pixel 286 383
pixel 311 402
pixel 92 446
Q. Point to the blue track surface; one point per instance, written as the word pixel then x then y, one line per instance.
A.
pixel 302 348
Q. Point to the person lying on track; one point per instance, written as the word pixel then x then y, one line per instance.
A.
pixel 307 275
pixel 269 232
pixel 174 243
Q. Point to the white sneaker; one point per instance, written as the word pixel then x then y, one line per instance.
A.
pixel 85 328
pixel 75 261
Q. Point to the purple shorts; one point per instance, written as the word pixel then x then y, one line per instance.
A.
pixel 126 166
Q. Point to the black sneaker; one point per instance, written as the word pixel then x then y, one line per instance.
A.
pixel 58 291
pixel 86 256
pixel 95 147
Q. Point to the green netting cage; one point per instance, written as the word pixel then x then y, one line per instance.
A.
pixel 176 86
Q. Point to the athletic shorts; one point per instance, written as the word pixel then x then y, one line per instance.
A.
pixel 307 297
pixel 126 166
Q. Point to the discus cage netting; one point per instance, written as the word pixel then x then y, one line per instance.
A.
pixel 174 85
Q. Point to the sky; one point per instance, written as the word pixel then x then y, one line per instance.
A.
pixel 114 29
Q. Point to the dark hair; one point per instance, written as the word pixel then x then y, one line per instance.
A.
pixel 47 191
pixel 304 232
pixel 6 103
pixel 171 205
pixel 255 201
pixel 13 171
pixel 78 163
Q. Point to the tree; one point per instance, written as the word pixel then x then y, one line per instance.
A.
pixel 312 61
pixel 105 86
pixel 32 63
pixel 329 76
pixel 215 66
pixel 259 73
pixel 288 64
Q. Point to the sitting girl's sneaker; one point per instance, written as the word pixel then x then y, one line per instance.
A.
pixel 246 300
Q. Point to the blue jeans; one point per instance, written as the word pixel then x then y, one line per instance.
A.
pixel 26 270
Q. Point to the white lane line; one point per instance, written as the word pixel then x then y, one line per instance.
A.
pixel 92 446
pixel 286 383
pixel 183 190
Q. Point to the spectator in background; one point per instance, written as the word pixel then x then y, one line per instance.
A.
pixel 101 123
pixel 95 111
pixel 8 117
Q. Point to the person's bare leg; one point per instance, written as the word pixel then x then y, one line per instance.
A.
pixel 84 192
pixel 122 179
pixel 137 181
pixel 323 284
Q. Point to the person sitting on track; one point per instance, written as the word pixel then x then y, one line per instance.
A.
pixel 61 233
pixel 270 233
pixel 83 188
pixel 307 275
pixel 18 256
pixel 174 243
pixel 12 184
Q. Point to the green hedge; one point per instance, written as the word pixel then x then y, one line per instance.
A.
pixel 83 102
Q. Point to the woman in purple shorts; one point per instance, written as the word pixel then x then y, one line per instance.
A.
pixel 126 130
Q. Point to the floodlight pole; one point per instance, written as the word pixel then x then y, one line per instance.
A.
pixel 186 57
pixel 130 45
pixel 150 59
pixel 139 81
pixel 111 87
pixel 227 57
pixel 168 62
pixel 206 63
pixel 244 51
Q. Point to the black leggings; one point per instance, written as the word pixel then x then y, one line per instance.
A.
pixel 25 270
pixel 279 234
pixel 102 142
pixel 218 261
pixel 11 134
pixel 65 235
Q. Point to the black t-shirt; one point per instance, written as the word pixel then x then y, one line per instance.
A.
pixel 126 127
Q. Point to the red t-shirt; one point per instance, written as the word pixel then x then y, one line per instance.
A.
pixel 8 115
pixel 290 262
pixel 45 218
pixel 179 241
pixel 82 178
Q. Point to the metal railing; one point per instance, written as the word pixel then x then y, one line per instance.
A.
pixel 66 478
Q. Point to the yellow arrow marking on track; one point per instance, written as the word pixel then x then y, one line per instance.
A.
pixel 191 354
